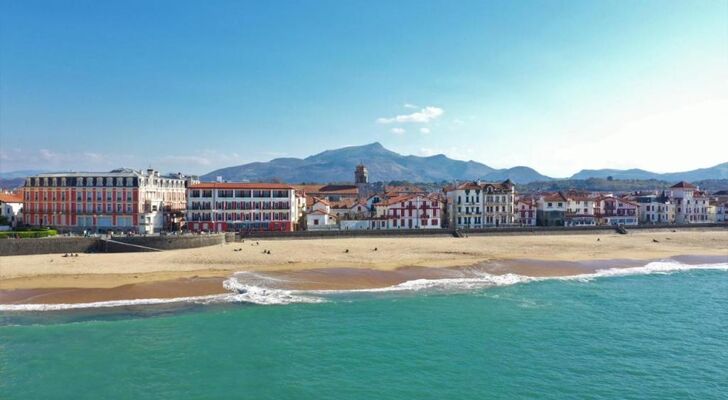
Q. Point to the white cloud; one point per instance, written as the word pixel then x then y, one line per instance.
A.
pixel 425 115
pixel 458 121
pixel 425 131
pixel 410 105
pixel 398 131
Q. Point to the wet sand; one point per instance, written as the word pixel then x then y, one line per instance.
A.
pixel 148 290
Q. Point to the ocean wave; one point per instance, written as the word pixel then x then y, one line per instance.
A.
pixel 239 294
pixel 655 267
pixel 246 293
pixel 111 303
pixel 484 280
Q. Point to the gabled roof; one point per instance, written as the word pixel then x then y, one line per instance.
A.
pixel 404 189
pixel 359 203
pixel 683 185
pixel 343 203
pixel 328 189
pixel 396 199
pixel 529 201
pixel 319 212
pixel 11 198
pixel 315 200
pixel 554 197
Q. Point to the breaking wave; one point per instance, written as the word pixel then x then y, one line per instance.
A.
pixel 239 293
pixel 486 280
pixel 245 293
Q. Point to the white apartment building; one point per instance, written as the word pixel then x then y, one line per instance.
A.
pixel 656 209
pixel 580 210
pixel 475 205
pixel 691 204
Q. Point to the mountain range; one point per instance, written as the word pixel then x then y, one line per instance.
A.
pixel 386 165
pixel 336 166
pixel 719 171
pixel 383 165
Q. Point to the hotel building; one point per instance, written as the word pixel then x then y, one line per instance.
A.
pixel 123 199
pixel 240 207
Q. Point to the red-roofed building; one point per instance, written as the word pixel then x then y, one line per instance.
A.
pixel 11 205
pixel 242 207
pixel 617 211
pixel 526 211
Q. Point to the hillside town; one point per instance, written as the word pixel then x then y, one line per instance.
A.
pixel 146 202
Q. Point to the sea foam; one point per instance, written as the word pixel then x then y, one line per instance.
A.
pixel 484 280
pixel 245 293
pixel 239 294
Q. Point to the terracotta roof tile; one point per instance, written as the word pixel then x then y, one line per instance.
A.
pixel 11 197
pixel 683 185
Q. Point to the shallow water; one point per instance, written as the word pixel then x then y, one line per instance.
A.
pixel 654 336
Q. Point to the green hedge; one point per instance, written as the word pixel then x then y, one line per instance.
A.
pixel 26 229
pixel 25 234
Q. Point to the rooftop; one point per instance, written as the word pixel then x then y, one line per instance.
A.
pixel 683 185
pixel 11 198
pixel 240 185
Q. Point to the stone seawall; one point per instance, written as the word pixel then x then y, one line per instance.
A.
pixel 56 245
pixel 173 242
pixel 535 230
pixel 50 245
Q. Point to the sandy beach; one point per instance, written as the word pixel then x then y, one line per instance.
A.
pixel 336 263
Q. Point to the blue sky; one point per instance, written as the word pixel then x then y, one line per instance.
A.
pixel 193 86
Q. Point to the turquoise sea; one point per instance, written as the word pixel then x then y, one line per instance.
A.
pixel 638 336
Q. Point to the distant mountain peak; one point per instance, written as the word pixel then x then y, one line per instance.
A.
pixel 337 165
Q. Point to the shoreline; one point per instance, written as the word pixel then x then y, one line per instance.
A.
pixel 326 263
pixel 326 279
